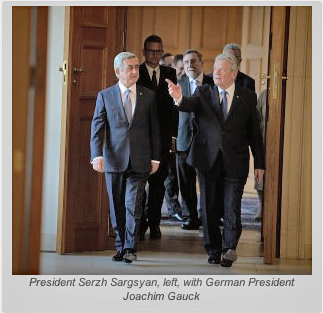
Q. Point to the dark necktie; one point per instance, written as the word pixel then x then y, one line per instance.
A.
pixel 224 104
pixel 154 80
pixel 128 105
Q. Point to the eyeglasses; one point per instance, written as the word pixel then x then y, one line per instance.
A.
pixel 157 52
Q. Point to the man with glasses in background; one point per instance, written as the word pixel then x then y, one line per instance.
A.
pixel 152 75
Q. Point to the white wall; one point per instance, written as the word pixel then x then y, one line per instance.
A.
pixel 53 127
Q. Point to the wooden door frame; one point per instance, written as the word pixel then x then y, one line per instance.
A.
pixel 27 200
pixel 66 99
pixel 275 132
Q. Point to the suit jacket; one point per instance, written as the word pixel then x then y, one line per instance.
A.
pixel 119 142
pixel 246 81
pixel 231 136
pixel 166 109
pixel 186 119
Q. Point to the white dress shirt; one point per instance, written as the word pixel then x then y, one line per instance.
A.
pixel 150 72
pixel 132 94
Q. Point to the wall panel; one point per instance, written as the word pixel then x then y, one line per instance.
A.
pixel 206 29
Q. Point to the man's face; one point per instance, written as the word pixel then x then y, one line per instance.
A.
pixel 192 65
pixel 238 57
pixel 129 72
pixel 179 67
pixel 223 76
pixel 168 61
pixel 153 53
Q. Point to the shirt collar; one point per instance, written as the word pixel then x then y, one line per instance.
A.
pixel 198 78
pixel 150 69
pixel 123 88
pixel 229 90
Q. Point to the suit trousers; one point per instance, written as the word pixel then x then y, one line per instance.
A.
pixel 125 192
pixel 172 188
pixel 156 193
pixel 187 185
pixel 220 193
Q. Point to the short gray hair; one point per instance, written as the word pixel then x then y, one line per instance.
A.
pixel 229 58
pixel 122 56
pixel 235 49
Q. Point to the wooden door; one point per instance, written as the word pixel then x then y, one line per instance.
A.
pixel 94 39
pixel 274 131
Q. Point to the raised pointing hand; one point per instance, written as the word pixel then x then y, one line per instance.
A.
pixel 174 90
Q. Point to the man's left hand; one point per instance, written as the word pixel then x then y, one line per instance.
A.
pixel 259 175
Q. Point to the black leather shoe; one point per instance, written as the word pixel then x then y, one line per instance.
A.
pixel 214 258
pixel 155 232
pixel 184 217
pixel 226 263
pixel 142 231
pixel 190 226
pixel 118 257
pixel 129 256
pixel 126 261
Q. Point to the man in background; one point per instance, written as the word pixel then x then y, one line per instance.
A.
pixel 193 65
pixel 152 75
pixel 167 60
pixel 171 182
pixel 179 66
pixel 242 79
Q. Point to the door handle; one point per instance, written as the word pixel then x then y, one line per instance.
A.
pixel 78 70
pixel 64 70
pixel 263 78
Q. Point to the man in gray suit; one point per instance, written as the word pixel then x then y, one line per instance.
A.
pixel 125 145
pixel 193 64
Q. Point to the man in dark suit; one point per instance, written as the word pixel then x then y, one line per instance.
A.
pixel 242 79
pixel 227 123
pixel 193 65
pixel 125 145
pixel 152 75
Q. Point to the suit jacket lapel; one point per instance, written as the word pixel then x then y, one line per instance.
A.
pixel 117 101
pixel 187 86
pixel 237 98
pixel 144 77
pixel 139 97
pixel 216 102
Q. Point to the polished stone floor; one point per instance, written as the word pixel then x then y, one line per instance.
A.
pixel 178 252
